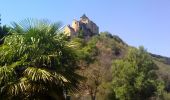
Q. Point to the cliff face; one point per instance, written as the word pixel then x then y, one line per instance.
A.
pixel 84 26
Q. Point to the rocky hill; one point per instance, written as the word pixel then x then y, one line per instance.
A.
pixel 97 55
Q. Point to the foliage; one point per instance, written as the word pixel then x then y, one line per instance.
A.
pixel 134 77
pixel 96 57
pixel 115 37
pixel 164 73
pixel 85 50
pixel 36 62
pixel 80 33
pixel 4 30
pixel 166 96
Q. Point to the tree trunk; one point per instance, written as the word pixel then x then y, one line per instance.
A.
pixel 93 96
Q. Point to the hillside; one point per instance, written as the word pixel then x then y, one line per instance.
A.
pixel 163 59
pixel 98 54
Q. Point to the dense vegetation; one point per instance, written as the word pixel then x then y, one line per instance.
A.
pixel 134 77
pixel 38 62
pixel 117 69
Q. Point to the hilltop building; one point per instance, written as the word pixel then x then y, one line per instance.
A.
pixel 84 26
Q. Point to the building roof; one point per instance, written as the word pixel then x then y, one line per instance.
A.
pixel 84 16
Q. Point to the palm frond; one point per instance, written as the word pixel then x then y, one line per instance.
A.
pixel 38 74
pixel 36 60
pixel 7 74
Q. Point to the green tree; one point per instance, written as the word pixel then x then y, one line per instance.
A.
pixel 134 77
pixel 36 62
pixel 80 33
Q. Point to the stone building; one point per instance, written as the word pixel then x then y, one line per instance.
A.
pixel 84 26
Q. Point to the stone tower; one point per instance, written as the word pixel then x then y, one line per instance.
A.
pixel 85 25
pixel 76 25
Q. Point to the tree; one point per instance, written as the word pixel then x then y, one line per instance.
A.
pixel 4 31
pixel 94 77
pixel 80 33
pixel 36 62
pixel 134 77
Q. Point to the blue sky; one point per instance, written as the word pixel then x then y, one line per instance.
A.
pixel 137 22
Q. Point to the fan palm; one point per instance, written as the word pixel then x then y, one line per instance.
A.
pixel 36 62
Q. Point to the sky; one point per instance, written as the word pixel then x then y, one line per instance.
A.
pixel 138 22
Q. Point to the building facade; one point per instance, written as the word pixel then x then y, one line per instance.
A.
pixel 84 26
